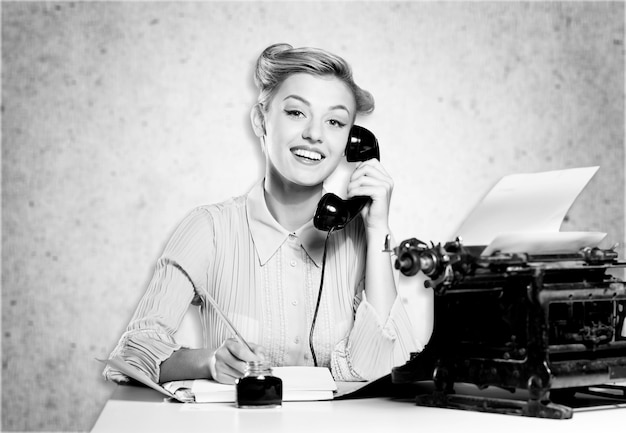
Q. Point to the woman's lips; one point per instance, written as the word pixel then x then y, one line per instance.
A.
pixel 308 155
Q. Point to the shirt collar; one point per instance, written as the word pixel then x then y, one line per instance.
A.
pixel 268 235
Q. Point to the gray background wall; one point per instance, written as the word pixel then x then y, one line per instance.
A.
pixel 118 118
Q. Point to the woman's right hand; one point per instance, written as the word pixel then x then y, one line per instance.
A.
pixel 228 362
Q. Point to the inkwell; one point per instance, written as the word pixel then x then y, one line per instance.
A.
pixel 258 388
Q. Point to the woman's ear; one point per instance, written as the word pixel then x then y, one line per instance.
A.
pixel 258 120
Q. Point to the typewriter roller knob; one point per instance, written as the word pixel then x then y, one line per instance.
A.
pixel 429 262
pixel 408 262
pixel 415 255
pixel 411 261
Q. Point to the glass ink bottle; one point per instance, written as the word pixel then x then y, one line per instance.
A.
pixel 258 388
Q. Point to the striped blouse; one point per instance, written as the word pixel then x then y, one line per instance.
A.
pixel 266 279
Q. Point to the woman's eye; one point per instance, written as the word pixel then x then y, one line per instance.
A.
pixel 335 122
pixel 294 113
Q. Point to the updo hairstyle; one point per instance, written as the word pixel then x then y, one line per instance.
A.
pixel 279 61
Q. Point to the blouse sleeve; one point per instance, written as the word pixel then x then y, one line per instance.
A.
pixel 180 271
pixel 373 346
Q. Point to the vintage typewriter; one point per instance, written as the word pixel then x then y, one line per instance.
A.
pixel 546 326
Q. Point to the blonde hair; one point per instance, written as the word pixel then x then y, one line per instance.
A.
pixel 277 62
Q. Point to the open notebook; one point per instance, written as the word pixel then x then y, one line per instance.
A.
pixel 299 384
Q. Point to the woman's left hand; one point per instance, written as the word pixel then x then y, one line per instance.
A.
pixel 371 179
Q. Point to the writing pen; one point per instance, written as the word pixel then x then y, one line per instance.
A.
pixel 226 321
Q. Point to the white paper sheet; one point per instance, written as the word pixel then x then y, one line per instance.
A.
pixel 525 203
pixel 524 212
pixel 543 242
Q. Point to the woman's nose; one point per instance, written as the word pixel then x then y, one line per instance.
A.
pixel 313 132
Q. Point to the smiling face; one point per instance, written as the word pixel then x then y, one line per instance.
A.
pixel 306 128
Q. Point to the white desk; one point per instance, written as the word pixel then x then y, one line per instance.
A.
pixel 135 409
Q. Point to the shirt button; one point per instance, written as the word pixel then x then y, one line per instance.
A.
pixel 293 263
pixel 294 303
pixel 296 340
pixel 292 236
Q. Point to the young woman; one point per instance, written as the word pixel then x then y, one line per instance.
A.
pixel 260 257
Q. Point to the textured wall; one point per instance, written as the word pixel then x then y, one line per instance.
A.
pixel 118 118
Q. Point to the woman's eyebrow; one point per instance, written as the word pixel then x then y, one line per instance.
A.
pixel 340 107
pixel 307 103
pixel 299 98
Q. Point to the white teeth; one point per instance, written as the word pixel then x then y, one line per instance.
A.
pixel 308 154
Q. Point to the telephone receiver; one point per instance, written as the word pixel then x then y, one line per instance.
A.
pixel 333 212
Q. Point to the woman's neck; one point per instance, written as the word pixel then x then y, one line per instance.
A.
pixel 291 205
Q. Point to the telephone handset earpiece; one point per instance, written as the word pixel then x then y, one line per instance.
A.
pixel 333 212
